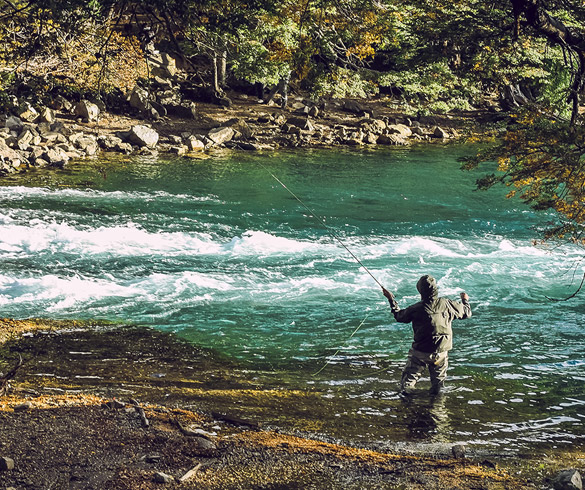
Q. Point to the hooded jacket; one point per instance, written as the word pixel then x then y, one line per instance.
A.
pixel 431 317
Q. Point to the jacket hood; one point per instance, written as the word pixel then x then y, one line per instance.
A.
pixel 427 287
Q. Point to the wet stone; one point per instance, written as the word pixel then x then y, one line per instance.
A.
pixel 568 480
pixel 6 464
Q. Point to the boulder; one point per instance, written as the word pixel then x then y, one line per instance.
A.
pixel 11 158
pixel 60 103
pixel 220 135
pixel 376 126
pixel 14 123
pixel 241 126
pixel 183 111
pixel 458 451
pixel 87 110
pixel 439 132
pixel 392 139
pixel 162 65
pixel 54 137
pixel 141 135
pixel 139 99
pixel 86 143
pixel 400 129
pixel 56 156
pixel 47 116
pixel 28 137
pixel 160 477
pixel 568 480
pixel 27 112
pixel 110 142
pixel 370 138
pixel 301 123
pixel 195 144
pixel 353 106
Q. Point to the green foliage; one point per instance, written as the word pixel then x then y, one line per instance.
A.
pixel 343 82
pixel 434 88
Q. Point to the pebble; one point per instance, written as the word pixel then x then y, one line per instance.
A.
pixel 6 464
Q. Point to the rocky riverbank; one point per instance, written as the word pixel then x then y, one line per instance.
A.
pixel 171 114
pixel 104 406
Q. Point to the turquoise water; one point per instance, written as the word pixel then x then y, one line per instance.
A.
pixel 219 252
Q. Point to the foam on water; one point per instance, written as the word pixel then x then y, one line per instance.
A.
pixel 237 265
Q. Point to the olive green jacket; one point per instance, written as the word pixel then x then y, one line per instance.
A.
pixel 431 317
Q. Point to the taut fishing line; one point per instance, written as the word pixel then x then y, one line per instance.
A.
pixel 334 235
pixel 322 221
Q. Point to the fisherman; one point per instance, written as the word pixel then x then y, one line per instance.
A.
pixel 431 321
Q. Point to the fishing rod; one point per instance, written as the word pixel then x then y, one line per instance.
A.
pixel 327 228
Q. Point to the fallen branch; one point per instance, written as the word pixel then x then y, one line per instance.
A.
pixel 572 295
pixel 5 379
pixel 191 472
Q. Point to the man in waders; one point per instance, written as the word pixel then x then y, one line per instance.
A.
pixel 431 321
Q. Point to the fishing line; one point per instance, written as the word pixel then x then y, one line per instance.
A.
pixel 337 351
pixel 322 221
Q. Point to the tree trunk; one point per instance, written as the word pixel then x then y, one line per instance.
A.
pixel 558 33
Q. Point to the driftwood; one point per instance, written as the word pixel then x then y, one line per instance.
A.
pixel 191 472
pixel 5 379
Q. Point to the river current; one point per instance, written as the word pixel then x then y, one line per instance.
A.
pixel 219 252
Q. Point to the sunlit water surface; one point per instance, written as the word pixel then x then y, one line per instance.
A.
pixel 219 252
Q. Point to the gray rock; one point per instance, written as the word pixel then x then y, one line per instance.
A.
pixel 27 112
pixel 86 143
pixel 14 123
pixel 182 111
pixel 6 464
pixel 11 158
pixel 400 129
pixel 439 132
pixel 162 65
pixel 160 477
pixel 87 110
pixel 376 126
pixel 139 99
pixel 195 144
pixel 370 138
pixel 220 135
pixel 40 162
pixel 53 137
pixel 60 103
pixel 301 123
pixel 27 137
pixel 47 116
pixel 143 136
pixel 241 126
pixel 458 451
pixel 353 106
pixel 203 443
pixel 179 150
pixel 392 139
pixel 56 156
pixel 568 480
pixel 22 407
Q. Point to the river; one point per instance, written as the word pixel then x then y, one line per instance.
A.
pixel 219 252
